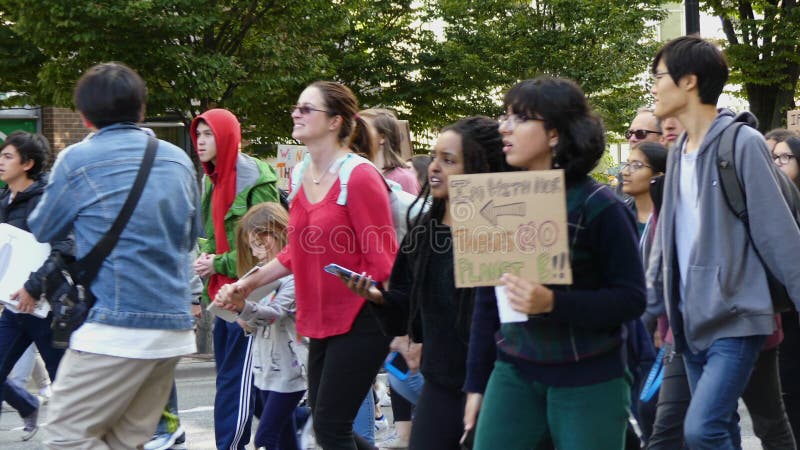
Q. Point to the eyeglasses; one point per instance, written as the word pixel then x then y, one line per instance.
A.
pixel 634 166
pixel 515 119
pixel 640 134
pixel 305 109
pixel 658 75
pixel 782 159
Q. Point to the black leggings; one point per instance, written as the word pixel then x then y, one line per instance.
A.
pixel 438 418
pixel 341 370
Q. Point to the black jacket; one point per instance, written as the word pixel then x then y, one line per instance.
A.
pixel 16 214
pixel 444 336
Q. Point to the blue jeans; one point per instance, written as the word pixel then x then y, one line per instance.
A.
pixel 364 423
pixel 170 422
pixel 24 367
pixel 408 389
pixel 17 332
pixel 717 378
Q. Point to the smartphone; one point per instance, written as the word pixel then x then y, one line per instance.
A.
pixel 335 269
pixel 396 366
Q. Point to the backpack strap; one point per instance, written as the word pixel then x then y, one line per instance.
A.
pixel 297 177
pixel 729 178
pixel 351 161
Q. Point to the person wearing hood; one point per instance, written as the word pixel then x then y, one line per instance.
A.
pixel 23 159
pixel 713 274
pixel 233 183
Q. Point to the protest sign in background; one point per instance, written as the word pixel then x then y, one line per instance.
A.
pixel 288 157
pixel 793 120
pixel 513 222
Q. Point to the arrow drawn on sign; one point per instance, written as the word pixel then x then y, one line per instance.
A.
pixel 491 212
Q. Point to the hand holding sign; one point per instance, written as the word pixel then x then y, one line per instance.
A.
pixel 526 297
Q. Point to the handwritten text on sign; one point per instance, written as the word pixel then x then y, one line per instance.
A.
pixel 513 222
pixel 288 157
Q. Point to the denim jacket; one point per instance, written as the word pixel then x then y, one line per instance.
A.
pixel 143 283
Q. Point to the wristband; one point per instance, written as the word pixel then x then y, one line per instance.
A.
pixel 196 301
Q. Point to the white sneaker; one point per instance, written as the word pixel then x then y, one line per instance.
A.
pixel 381 428
pixel 31 425
pixel 307 440
pixel 392 441
pixel 383 394
pixel 46 392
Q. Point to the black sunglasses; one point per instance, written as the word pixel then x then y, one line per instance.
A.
pixel 305 109
pixel 640 134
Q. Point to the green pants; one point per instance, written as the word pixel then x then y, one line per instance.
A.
pixel 519 414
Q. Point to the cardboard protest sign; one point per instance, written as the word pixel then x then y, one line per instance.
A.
pixel 20 254
pixel 513 222
pixel 288 157
pixel 793 120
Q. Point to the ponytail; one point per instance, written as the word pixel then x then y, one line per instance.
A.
pixel 360 139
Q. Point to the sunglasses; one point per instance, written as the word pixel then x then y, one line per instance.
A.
pixel 640 134
pixel 305 109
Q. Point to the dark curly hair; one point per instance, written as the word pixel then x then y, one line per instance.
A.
pixel 481 152
pixel 562 105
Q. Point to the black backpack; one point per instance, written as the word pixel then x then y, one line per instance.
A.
pixel 735 197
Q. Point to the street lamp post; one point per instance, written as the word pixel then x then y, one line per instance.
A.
pixel 692 16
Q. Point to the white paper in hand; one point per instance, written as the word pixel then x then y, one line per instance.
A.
pixel 224 314
pixel 20 254
pixel 262 291
pixel 507 313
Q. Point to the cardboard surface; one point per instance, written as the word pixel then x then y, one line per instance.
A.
pixel 288 157
pixel 793 120
pixel 514 222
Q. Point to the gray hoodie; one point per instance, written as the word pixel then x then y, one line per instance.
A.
pixel 726 286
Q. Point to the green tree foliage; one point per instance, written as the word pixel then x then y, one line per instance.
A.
pixel 194 54
pixel 763 49
pixel 604 45
pixel 255 56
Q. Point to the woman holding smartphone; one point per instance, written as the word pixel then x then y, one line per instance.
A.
pixel 346 345
pixel 425 303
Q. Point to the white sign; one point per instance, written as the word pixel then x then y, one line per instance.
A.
pixel 20 254
pixel 288 157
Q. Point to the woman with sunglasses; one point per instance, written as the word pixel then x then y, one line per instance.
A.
pixel 552 371
pixel 346 345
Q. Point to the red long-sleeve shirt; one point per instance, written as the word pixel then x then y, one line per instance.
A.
pixel 359 236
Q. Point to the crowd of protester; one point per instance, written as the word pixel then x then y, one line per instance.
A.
pixel 669 320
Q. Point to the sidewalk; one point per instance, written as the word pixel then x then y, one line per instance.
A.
pixel 198 364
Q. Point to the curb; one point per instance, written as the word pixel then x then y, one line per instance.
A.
pixel 197 364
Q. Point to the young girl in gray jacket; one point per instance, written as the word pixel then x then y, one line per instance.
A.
pixel 279 354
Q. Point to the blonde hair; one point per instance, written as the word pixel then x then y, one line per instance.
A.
pixel 262 219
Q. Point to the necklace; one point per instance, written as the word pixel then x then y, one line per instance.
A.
pixel 317 180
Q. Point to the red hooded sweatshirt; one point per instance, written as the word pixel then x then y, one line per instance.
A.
pixel 222 173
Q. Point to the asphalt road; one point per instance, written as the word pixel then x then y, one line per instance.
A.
pixel 195 379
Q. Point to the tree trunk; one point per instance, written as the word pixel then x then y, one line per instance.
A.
pixel 769 104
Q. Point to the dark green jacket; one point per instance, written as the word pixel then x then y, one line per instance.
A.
pixel 256 182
